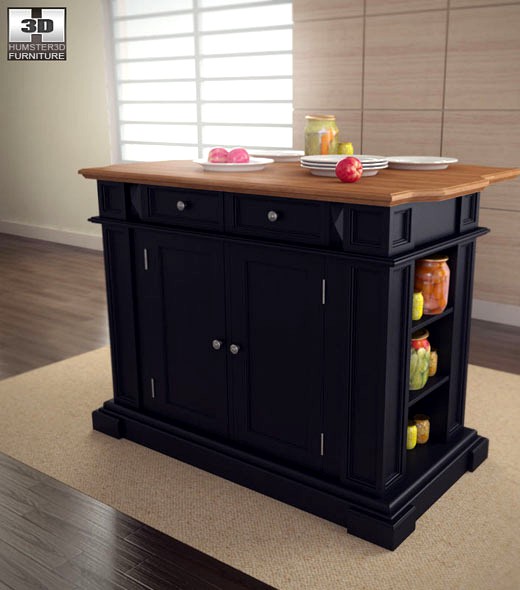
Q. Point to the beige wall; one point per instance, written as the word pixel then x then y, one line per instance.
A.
pixel 53 121
pixel 423 77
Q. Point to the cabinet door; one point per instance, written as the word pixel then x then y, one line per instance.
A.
pixel 181 308
pixel 276 319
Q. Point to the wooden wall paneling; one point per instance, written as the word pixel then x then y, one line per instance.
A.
pixel 497 275
pixel 393 6
pixel 402 132
pixel 331 9
pixel 404 61
pixel 475 3
pixel 349 123
pixel 328 59
pixel 491 137
pixel 505 197
pixel 483 66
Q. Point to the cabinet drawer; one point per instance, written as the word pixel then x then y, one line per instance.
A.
pixel 280 219
pixel 112 199
pixel 184 207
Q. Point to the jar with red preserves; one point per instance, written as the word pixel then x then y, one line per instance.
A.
pixel 432 277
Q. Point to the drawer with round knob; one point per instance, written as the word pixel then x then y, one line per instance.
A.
pixel 289 220
pixel 184 207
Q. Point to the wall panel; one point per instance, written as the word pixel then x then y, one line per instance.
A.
pixel 427 78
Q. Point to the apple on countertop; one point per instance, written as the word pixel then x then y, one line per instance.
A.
pixel 349 169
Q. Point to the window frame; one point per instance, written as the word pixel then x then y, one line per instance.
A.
pixel 114 82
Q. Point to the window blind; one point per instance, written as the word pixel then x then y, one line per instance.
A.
pixel 192 74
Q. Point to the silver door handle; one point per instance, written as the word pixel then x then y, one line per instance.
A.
pixel 272 216
pixel 234 349
pixel 181 205
pixel 217 344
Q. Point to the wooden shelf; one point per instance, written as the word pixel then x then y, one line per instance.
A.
pixel 430 319
pixel 424 458
pixel 432 384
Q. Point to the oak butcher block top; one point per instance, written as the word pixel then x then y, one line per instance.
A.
pixel 388 188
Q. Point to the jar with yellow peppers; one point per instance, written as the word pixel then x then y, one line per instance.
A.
pixel 321 135
pixel 411 436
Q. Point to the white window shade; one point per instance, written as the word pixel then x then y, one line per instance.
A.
pixel 191 74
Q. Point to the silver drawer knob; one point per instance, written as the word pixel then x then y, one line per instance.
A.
pixel 217 344
pixel 181 205
pixel 272 216
pixel 234 349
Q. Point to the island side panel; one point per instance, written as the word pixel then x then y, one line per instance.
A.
pixel 463 272
pixel 370 386
pixel 117 246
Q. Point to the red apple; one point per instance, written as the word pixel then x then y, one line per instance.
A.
pixel 218 155
pixel 349 169
pixel 238 156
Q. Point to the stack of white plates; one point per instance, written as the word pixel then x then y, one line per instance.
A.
pixel 326 165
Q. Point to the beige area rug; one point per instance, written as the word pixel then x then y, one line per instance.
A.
pixel 469 540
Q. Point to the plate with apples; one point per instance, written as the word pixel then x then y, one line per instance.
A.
pixel 346 168
pixel 236 160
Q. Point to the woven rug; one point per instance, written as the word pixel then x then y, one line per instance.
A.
pixel 469 540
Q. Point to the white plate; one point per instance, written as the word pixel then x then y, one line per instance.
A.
pixel 420 162
pixel 251 166
pixel 335 158
pixel 332 172
pixel 279 156
pixel 333 166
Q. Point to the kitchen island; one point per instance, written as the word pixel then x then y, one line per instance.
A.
pixel 260 329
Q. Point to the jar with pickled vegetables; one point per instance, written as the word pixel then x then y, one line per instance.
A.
pixel 432 277
pixel 419 360
pixel 321 135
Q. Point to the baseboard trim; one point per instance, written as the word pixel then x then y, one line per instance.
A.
pixel 500 313
pixel 52 234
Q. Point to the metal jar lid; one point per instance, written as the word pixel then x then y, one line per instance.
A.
pixel 321 117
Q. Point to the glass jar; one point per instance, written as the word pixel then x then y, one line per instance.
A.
pixel 422 423
pixel 411 435
pixel 419 360
pixel 434 361
pixel 417 305
pixel 432 277
pixel 321 134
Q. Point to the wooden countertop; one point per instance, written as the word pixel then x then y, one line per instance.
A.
pixel 388 188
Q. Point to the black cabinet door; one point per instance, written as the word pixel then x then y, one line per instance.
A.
pixel 181 309
pixel 276 320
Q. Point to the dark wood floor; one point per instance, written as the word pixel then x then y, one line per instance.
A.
pixel 53 306
pixel 54 537
pixel 52 302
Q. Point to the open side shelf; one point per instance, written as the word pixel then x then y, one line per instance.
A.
pixel 432 384
pixel 423 459
pixel 430 319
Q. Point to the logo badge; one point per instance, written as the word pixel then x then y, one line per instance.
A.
pixel 36 34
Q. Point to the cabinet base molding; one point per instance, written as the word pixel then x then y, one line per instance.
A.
pixel 386 521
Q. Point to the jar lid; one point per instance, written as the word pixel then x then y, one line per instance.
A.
pixel 437 258
pixel 421 334
pixel 321 117
pixel 421 417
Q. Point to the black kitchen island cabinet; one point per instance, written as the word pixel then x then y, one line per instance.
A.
pixel 260 329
